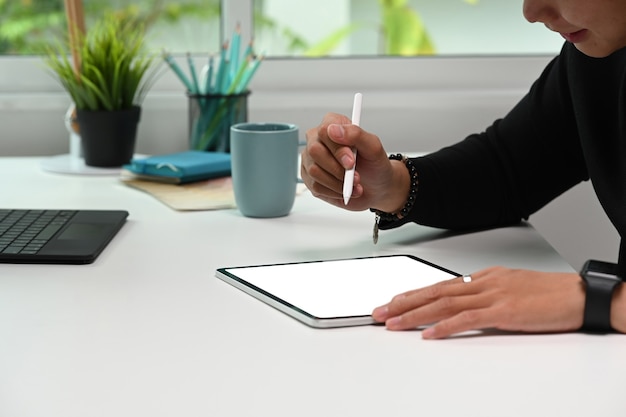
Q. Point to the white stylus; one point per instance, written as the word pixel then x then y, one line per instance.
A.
pixel 348 179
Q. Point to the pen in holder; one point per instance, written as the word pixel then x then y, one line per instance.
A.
pixel 210 119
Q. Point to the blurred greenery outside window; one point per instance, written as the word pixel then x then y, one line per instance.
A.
pixel 296 28
pixel 27 27
pixel 399 27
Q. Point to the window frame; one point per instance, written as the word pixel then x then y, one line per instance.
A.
pixel 450 96
pixel 28 75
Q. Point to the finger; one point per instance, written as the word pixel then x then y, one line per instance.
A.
pixel 318 180
pixel 324 150
pixel 348 137
pixel 461 279
pixel 398 299
pixel 335 197
pixel 441 309
pixel 320 171
pixel 330 118
pixel 321 155
pixel 330 134
pixel 341 146
pixel 410 299
pixel 415 298
pixel 322 183
pixel 462 322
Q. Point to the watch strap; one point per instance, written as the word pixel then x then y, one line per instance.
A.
pixel 599 295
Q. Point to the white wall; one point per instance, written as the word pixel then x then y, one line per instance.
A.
pixel 415 105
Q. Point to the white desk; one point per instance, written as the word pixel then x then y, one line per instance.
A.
pixel 147 330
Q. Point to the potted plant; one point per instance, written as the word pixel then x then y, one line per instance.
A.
pixel 107 86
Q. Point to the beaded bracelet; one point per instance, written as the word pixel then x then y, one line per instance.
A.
pixel 391 217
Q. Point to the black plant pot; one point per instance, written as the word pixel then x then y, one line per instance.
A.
pixel 108 137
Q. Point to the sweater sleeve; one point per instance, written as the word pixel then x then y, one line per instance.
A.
pixel 509 171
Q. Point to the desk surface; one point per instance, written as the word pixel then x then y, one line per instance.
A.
pixel 147 330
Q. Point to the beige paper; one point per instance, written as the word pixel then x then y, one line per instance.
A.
pixel 202 195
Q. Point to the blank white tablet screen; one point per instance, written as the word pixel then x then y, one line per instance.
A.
pixel 342 288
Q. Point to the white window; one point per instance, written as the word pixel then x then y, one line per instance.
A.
pixel 484 58
pixel 383 27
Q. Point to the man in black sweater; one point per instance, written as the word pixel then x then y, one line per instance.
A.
pixel 569 128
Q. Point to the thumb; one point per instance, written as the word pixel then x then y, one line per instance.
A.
pixel 352 136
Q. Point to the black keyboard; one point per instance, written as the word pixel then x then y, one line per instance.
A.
pixel 27 231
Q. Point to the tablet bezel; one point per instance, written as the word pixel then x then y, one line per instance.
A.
pixel 228 275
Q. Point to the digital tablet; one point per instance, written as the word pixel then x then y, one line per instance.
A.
pixel 334 293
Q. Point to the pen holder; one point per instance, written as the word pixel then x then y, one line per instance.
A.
pixel 210 119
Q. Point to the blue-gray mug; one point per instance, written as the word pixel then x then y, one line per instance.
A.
pixel 264 159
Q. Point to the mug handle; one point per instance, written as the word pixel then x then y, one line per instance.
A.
pixel 300 145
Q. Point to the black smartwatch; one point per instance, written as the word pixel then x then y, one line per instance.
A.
pixel 600 279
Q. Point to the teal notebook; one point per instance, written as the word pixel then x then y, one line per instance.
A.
pixel 181 167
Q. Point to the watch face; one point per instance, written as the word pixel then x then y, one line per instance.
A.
pixel 600 269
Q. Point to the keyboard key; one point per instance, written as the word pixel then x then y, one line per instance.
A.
pixel 27 231
pixel 12 249
pixel 49 231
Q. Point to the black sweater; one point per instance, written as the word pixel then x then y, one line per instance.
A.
pixel 570 127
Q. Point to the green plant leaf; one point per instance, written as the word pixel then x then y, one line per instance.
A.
pixel 404 31
pixel 101 88
pixel 115 69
